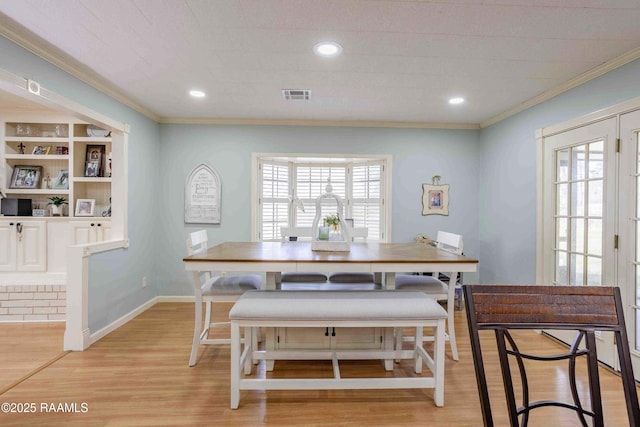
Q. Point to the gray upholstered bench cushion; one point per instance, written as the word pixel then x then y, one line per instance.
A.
pixel 338 306
pixel 426 284
pixel 232 285
pixel 295 277
pixel 351 277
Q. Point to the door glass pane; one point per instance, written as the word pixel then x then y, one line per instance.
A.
pixel 576 274
pixel 577 198
pixel 578 166
pixel 594 242
pixel 562 199
pixel 562 165
pixel 561 268
pixel 595 198
pixel 577 235
pixel 594 271
pixel 596 157
pixel 561 233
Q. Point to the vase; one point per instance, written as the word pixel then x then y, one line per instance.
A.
pixel 323 233
pixel 56 210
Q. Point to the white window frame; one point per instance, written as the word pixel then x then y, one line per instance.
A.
pixel 324 160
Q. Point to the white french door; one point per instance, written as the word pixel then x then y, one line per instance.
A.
pixel 579 214
pixel 629 257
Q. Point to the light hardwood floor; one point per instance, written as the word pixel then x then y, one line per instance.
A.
pixel 139 375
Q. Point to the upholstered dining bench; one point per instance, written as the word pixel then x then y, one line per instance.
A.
pixel 353 309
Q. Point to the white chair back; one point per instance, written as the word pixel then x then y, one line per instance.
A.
pixel 197 242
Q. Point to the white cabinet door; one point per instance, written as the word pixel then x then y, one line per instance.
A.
pixel 31 246
pixel 329 338
pixel 7 245
pixel 23 245
pixel 84 232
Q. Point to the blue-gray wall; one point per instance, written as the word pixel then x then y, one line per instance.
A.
pixel 114 277
pixel 492 173
pixel 508 173
pixel 417 155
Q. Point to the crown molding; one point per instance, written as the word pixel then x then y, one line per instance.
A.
pixel 309 123
pixel 583 78
pixel 24 38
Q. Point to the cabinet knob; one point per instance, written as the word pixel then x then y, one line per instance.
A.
pixel 99 224
pixel 92 224
pixel 10 223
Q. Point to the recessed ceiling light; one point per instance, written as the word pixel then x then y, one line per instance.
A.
pixel 456 100
pixel 197 93
pixel 327 49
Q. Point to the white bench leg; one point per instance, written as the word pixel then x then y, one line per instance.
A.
pixel 389 343
pixel 438 352
pixel 235 365
pixel 416 353
pixel 249 340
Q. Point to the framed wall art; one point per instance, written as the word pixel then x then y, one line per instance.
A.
pixel 202 196
pixel 435 198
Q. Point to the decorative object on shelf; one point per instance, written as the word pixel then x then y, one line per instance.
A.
pixel 107 169
pixel 21 148
pixel 62 131
pixel 94 160
pixel 96 132
pixel 330 240
pixel 62 180
pixel 435 197
pixel 23 129
pixel 62 150
pixel 108 211
pixel 40 212
pixel 202 196
pixel 26 177
pixel 41 149
pixel 57 205
pixel 85 207
pixel 46 182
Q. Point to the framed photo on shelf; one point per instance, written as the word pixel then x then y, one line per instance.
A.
pixel 85 207
pixel 92 169
pixel 26 177
pixel 62 180
pixel 94 160
pixel 41 149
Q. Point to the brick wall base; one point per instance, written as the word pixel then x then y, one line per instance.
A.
pixel 22 302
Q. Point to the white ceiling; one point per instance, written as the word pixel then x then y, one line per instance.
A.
pixel 402 60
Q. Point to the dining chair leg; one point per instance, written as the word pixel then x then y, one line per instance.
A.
pixel 451 331
pixel 207 318
pixel 197 330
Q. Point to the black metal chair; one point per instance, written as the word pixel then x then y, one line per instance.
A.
pixel 583 308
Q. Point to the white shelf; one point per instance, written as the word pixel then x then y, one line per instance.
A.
pixel 34 191
pixel 92 179
pixel 43 157
pixel 38 139
pixel 92 139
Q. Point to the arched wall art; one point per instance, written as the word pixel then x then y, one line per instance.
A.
pixel 202 196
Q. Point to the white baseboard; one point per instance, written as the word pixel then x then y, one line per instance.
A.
pixel 121 321
pixel 176 298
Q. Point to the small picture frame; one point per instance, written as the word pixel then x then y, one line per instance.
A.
pixel 41 150
pixel 85 207
pixel 92 169
pixel 26 177
pixel 94 160
pixel 62 180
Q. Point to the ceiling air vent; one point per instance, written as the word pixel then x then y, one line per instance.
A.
pixel 296 94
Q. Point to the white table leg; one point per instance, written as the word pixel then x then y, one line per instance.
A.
pixel 235 365
pixel 390 280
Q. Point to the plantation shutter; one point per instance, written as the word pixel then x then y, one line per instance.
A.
pixel 274 202
pixel 366 199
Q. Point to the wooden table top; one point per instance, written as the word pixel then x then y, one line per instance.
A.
pixel 301 252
